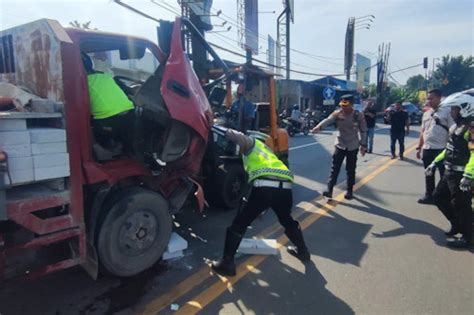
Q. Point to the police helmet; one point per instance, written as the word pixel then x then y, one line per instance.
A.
pixel 464 100
pixel 295 106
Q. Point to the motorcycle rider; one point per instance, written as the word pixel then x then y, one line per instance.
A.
pixel 453 195
pixel 270 187
pixel 296 116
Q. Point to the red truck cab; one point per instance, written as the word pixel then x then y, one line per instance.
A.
pixel 115 211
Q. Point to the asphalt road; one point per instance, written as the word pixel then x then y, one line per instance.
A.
pixel 381 253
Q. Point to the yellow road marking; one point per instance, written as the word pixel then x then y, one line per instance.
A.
pixel 210 294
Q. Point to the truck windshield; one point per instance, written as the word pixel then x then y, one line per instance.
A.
pixel 135 69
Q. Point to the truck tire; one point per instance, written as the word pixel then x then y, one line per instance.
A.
pixel 230 183
pixel 134 232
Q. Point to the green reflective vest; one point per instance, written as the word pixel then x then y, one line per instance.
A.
pixel 107 98
pixel 262 162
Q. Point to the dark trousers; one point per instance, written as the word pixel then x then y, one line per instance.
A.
pixel 454 203
pixel 261 198
pixel 118 128
pixel 428 157
pixel 400 137
pixel 351 162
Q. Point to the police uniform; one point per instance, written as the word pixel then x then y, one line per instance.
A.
pixel 454 203
pixel 347 144
pixel 271 187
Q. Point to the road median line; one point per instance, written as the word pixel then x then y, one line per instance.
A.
pixel 158 304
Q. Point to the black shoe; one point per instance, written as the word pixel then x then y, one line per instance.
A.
pixel 401 157
pixel 426 200
pixel 327 194
pixel 224 267
pixel 370 151
pixel 349 195
pixel 302 255
pixel 458 243
pixel 453 231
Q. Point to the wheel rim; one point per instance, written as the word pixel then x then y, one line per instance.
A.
pixel 138 233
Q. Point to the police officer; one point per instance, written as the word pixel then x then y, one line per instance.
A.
pixel 453 194
pixel 110 107
pixel 350 123
pixel 270 186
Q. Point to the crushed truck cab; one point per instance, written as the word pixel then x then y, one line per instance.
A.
pixel 110 209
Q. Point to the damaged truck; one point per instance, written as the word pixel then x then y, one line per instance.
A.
pixel 58 187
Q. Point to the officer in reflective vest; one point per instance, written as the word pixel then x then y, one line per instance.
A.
pixel 453 195
pixel 271 187
pixel 110 107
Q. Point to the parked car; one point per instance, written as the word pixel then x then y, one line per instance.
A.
pixel 413 111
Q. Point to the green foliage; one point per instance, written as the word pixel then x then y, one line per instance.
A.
pixel 415 83
pixel 454 74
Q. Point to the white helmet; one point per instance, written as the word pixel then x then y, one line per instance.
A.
pixel 463 100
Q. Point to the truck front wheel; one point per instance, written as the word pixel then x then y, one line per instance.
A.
pixel 134 232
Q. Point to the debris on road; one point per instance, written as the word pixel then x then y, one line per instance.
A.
pixel 258 246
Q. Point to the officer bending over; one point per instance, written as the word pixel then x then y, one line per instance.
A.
pixel 271 186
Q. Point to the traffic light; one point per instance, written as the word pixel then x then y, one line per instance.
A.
pixel 425 63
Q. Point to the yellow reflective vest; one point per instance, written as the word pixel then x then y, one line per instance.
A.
pixel 262 162
pixel 107 98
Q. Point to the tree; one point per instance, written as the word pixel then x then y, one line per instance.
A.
pixel 415 83
pixel 454 74
pixel 369 91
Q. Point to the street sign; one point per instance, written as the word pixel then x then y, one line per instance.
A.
pixel 329 93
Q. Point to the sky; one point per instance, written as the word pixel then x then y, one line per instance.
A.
pixel 414 28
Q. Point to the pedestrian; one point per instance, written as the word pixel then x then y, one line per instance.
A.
pixel 453 194
pixel 350 123
pixel 399 120
pixel 433 138
pixel 270 186
pixel 370 117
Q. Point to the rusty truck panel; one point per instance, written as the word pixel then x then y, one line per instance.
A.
pixel 31 58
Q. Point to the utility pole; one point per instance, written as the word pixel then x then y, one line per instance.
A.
pixel 283 34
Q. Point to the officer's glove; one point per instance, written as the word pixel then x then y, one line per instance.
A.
pixel 429 171
pixel 466 184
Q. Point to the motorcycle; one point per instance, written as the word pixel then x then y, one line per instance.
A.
pixel 294 127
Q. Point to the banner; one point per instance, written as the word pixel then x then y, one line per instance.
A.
pixel 271 52
pixel 362 70
pixel 251 26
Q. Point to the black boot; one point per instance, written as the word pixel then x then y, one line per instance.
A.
pixel 453 231
pixel 300 251
pixel 459 243
pixel 328 192
pixel 349 194
pixel 226 266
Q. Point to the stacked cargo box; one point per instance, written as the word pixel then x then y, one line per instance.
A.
pixel 34 154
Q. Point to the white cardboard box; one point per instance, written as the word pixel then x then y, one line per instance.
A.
pixel 20 163
pixel 45 135
pixel 20 176
pixel 50 160
pixel 167 255
pixel 176 243
pixel 51 172
pixel 48 148
pixel 13 124
pixel 258 246
pixel 14 137
pixel 17 150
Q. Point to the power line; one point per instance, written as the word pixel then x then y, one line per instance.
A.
pixel 414 66
pixel 222 48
